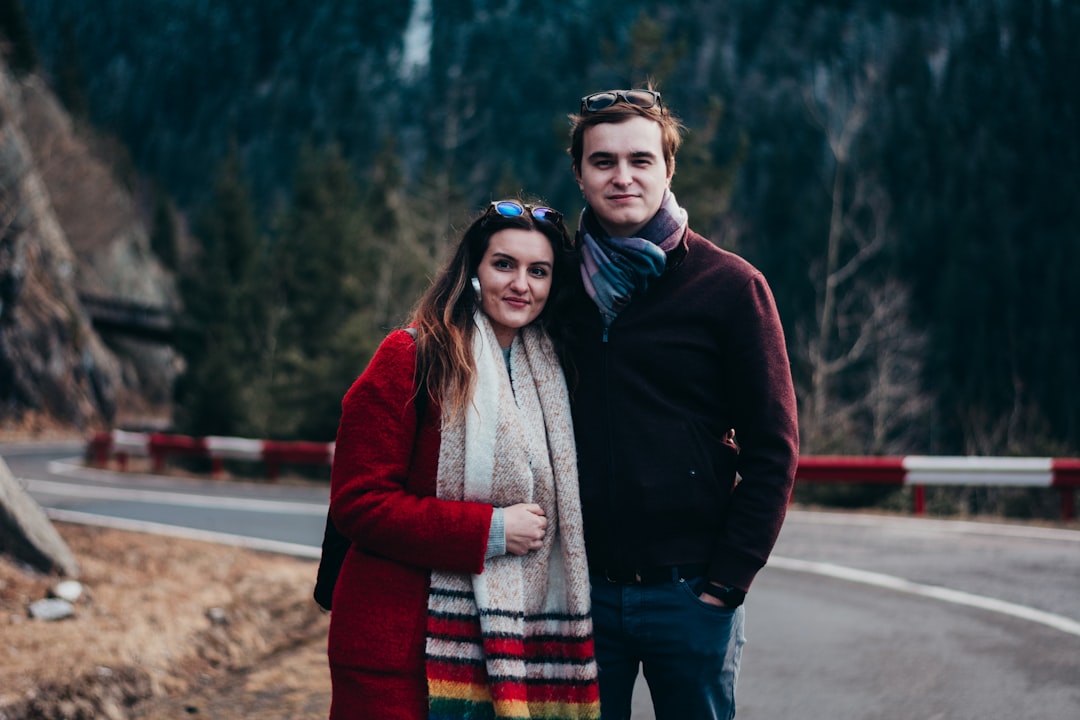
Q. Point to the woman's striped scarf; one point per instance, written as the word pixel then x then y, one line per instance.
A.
pixel 516 640
pixel 614 269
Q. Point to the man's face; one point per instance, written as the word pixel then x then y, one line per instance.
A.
pixel 623 174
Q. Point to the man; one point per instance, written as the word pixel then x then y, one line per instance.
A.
pixel 681 383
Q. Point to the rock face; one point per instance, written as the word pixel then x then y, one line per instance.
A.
pixel 98 216
pixel 68 227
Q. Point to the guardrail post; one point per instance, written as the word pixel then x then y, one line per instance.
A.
pixel 918 497
pixel 99 447
pixel 1068 495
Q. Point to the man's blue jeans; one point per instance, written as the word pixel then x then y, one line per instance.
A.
pixel 689 650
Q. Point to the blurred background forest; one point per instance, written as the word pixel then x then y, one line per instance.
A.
pixel 905 172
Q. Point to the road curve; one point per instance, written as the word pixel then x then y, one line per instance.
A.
pixel 857 616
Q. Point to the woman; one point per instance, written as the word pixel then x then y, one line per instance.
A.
pixel 465 592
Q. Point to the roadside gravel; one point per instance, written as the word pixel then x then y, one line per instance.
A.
pixel 167 628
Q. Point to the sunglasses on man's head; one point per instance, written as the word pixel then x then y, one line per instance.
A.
pixel 512 208
pixel 644 99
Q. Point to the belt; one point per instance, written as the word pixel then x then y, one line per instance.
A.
pixel 649 575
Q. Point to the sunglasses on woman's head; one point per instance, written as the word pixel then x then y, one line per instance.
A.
pixel 512 208
pixel 643 99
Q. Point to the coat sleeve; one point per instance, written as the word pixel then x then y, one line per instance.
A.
pixel 376 451
pixel 766 428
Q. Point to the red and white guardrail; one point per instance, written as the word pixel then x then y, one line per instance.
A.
pixel 120 445
pixel 922 470
pixel 915 470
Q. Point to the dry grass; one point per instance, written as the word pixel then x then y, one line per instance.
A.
pixel 142 643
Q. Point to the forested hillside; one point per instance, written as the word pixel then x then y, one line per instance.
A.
pixel 905 173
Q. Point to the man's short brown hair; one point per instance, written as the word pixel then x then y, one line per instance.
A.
pixel 671 128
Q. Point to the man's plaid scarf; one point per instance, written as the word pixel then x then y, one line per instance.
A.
pixel 614 269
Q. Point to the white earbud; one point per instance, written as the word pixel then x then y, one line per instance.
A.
pixel 476 286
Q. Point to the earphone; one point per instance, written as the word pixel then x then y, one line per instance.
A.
pixel 476 286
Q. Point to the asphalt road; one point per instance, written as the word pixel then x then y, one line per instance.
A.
pixel 279 517
pixel 857 616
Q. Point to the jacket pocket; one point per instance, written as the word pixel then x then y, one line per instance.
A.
pixel 688 476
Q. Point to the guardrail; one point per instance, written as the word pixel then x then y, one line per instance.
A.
pixel 120 445
pixel 918 471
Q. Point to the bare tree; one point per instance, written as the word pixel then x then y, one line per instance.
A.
pixel 893 404
pixel 861 334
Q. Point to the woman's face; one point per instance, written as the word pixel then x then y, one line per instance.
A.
pixel 515 280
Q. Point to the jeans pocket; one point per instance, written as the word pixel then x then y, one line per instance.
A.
pixel 692 588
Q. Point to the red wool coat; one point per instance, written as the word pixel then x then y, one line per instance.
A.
pixel 382 498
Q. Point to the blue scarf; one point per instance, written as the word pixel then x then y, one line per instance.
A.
pixel 615 269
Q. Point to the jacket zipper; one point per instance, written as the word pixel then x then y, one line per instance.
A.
pixel 605 366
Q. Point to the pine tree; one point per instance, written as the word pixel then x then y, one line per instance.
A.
pixel 20 52
pixel 212 331
pixel 319 291
pixel 70 80
pixel 318 246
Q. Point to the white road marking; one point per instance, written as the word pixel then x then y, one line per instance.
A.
pixel 275 546
pixel 935 592
pixel 162 497
pixel 74 467
pixel 934 526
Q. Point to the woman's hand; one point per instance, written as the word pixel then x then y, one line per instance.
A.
pixel 525 526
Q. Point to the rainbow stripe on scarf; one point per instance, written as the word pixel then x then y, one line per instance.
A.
pixel 559 678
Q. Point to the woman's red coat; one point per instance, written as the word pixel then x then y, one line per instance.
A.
pixel 382 498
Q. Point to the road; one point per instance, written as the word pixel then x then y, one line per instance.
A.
pixel 279 517
pixel 857 616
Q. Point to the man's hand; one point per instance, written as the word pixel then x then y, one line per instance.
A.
pixel 729 597
pixel 710 600
pixel 525 527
